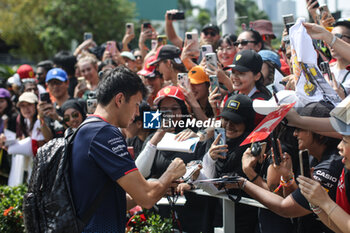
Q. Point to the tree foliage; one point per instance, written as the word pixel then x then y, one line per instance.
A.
pixel 42 27
pixel 248 11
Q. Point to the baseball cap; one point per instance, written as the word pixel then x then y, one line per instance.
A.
pixel 128 54
pixel 343 22
pixel 340 117
pixel 264 27
pixel 56 73
pixel 268 55
pixel 28 97
pixel 247 60
pixel 212 27
pixel 4 93
pixel 148 71
pixel 169 91
pixel 197 75
pixel 238 108
pixel 25 72
pixel 264 107
pixel 168 52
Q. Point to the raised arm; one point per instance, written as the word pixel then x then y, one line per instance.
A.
pixel 170 31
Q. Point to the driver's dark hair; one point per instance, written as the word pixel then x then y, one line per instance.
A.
pixel 119 80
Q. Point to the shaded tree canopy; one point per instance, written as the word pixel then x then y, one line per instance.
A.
pixel 39 28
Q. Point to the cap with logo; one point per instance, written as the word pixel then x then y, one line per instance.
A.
pixel 211 26
pixel 128 54
pixel 247 60
pixel 28 97
pixel 167 52
pixel 264 27
pixel 4 93
pixel 56 73
pixel 238 109
pixel 169 91
pixel 197 75
pixel 148 71
pixel 25 72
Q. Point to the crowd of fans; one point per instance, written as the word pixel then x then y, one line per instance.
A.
pixel 38 105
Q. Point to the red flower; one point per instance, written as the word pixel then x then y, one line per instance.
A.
pixel 7 211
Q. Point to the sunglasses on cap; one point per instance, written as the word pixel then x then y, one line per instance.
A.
pixel 340 36
pixel 243 42
pixel 212 33
pixel 74 115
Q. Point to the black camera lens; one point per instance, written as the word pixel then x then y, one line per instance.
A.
pixel 204 49
pixel 189 37
pixel 128 26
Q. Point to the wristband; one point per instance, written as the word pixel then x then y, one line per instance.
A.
pixel 333 41
pixel 256 177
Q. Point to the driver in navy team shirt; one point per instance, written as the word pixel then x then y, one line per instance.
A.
pixel 100 157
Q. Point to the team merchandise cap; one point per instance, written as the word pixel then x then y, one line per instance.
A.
pixel 247 60
pixel 56 73
pixel 167 52
pixel 197 75
pixel 238 108
pixel 169 91
pixel 148 71
pixel 25 72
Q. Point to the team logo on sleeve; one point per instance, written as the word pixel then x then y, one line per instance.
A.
pixel 151 119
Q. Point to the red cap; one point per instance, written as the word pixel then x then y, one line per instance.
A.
pixel 169 91
pixel 25 71
pixel 148 70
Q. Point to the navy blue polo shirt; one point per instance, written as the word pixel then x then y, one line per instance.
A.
pixel 99 156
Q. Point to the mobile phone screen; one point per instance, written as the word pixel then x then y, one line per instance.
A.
pixel 304 163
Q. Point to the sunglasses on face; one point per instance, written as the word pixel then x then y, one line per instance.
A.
pixel 74 115
pixel 212 33
pixel 138 56
pixel 341 36
pixel 243 42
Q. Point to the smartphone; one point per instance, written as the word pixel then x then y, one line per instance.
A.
pixel 88 35
pixel 207 48
pixel 324 8
pixel 129 28
pixel 45 96
pixel 154 44
pixel 111 47
pixel 184 81
pixel 91 102
pixel 192 36
pixel 191 168
pixel 222 140
pixel 324 66
pixel 276 149
pixel 82 82
pixel 162 39
pixel 211 59
pixel 147 25
pixel 317 5
pixel 288 19
pixel 214 82
pixel 304 163
pixel 180 15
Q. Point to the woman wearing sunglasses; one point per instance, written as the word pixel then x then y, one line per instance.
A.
pixel 249 39
pixel 74 112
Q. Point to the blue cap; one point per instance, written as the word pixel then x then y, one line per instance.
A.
pixel 56 73
pixel 268 55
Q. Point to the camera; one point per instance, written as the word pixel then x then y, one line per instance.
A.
pixel 45 96
pixel 146 25
pixel 258 148
pixel 87 35
pixel 189 37
pixel 180 15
